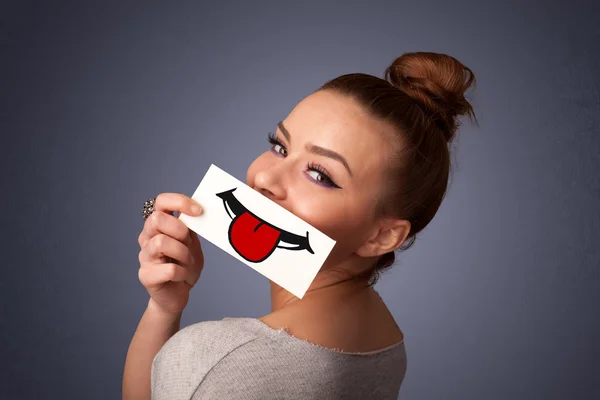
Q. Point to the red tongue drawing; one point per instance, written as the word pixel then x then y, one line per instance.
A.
pixel 252 238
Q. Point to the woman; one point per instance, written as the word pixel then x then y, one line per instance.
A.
pixel 366 161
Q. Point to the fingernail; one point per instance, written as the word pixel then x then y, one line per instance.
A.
pixel 196 209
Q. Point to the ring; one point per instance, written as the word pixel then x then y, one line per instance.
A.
pixel 148 208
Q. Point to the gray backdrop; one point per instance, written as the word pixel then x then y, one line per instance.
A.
pixel 104 106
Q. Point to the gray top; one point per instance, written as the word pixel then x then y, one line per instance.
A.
pixel 243 358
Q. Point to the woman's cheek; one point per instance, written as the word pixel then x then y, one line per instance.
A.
pixel 323 216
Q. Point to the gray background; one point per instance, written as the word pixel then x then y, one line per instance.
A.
pixel 105 105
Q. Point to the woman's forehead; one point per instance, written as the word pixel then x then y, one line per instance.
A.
pixel 326 113
pixel 341 124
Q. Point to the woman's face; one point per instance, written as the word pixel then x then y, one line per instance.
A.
pixel 327 165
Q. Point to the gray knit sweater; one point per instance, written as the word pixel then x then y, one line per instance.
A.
pixel 243 358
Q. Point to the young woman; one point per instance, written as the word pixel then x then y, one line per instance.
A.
pixel 366 161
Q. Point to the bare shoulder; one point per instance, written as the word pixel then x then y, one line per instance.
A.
pixel 360 326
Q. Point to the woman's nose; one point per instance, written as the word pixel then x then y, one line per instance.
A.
pixel 269 182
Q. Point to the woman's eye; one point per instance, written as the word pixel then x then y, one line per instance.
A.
pixel 320 176
pixel 280 149
pixel 317 176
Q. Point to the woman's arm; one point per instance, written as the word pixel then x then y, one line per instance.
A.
pixel 153 331
pixel 171 261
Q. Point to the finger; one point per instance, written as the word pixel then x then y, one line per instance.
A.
pixel 171 202
pixel 196 249
pixel 155 275
pixel 160 222
pixel 165 246
pixel 195 241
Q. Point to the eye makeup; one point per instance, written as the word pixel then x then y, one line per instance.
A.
pixel 325 178
pixel 272 138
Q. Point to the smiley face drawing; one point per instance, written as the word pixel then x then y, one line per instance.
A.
pixel 253 238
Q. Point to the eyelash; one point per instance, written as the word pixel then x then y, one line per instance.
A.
pixel 272 138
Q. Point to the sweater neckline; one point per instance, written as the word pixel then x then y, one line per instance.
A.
pixel 272 331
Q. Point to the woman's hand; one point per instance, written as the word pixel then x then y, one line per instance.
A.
pixel 171 258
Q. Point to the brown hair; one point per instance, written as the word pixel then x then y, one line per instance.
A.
pixel 422 95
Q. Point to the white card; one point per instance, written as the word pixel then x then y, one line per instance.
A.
pixel 258 232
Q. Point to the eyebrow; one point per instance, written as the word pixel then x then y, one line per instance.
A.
pixel 284 130
pixel 318 150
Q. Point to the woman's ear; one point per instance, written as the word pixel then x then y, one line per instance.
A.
pixel 389 237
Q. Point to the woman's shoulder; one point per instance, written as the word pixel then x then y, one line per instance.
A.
pixel 190 354
pixel 211 358
pixel 224 330
pixel 210 339
pixel 275 364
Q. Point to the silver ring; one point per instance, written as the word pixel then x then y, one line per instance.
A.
pixel 148 208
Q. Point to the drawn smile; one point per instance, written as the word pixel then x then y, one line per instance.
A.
pixel 253 238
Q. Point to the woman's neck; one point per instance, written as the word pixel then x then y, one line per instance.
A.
pixel 324 288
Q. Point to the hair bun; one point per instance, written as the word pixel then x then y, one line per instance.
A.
pixel 437 82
